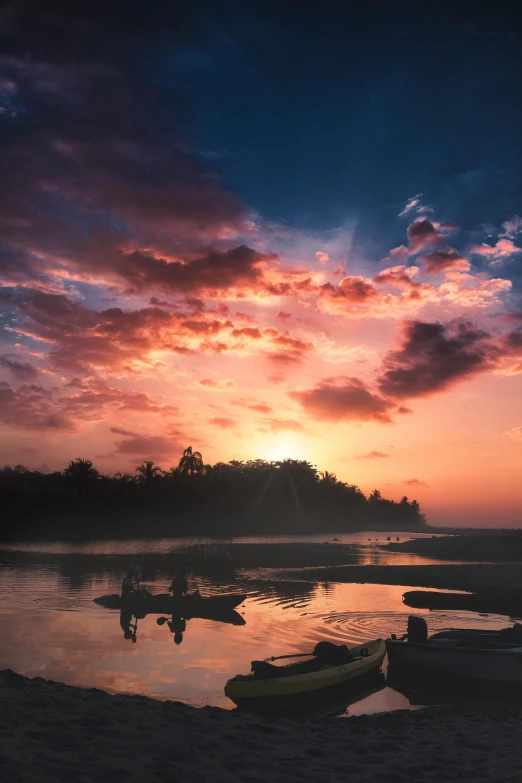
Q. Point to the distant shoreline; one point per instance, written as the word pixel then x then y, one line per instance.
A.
pixel 84 528
pixel 78 526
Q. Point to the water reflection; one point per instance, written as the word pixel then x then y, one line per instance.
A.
pixel 176 625
pixel 52 628
pixel 130 629
pixel 350 695
pixel 163 546
pixel 432 690
pixel 332 703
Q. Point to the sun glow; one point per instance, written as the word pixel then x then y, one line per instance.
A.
pixel 279 449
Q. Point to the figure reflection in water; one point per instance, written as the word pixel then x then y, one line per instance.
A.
pixel 129 629
pixel 176 625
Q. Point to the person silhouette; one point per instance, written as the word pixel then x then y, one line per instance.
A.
pixel 130 581
pixel 179 585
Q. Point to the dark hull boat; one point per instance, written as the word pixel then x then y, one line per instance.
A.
pixel 508 603
pixel 486 657
pixel 143 602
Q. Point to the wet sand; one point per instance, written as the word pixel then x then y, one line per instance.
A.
pixel 470 577
pixel 501 546
pixel 53 732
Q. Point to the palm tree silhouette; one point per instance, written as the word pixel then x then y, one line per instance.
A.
pixel 147 473
pixel 81 470
pixel 124 478
pixel 328 478
pixel 375 496
pixel 191 462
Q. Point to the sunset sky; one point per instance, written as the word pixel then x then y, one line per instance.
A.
pixel 266 232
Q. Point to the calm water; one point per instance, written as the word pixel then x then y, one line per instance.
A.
pixel 52 628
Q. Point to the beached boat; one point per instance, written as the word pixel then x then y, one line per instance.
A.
pixel 509 602
pixel 143 602
pixel 270 687
pixel 483 637
pixel 466 655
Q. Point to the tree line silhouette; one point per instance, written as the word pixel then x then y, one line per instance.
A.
pixel 237 497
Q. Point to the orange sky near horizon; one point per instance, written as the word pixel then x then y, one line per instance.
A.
pixel 303 360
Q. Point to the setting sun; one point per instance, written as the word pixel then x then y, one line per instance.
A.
pixel 285 448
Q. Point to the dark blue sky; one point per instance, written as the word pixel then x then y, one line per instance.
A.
pixel 317 114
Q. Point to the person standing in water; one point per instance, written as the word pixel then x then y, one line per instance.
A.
pixel 129 583
pixel 179 585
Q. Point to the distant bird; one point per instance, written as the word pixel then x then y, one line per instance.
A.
pixel 336 539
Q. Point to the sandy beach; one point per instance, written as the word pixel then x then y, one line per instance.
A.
pixel 502 546
pixel 473 577
pixel 52 732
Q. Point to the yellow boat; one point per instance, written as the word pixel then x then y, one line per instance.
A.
pixel 299 684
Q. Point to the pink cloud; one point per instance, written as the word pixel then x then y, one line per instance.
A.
pixel 323 258
pixel 146 447
pixel 342 398
pixel 423 234
pixel 440 260
pixel 223 422
pixel 250 332
pixel 126 433
pixel 23 370
pixel 245 317
pixel 260 408
pixel 32 407
pixel 399 253
pixel 498 253
pixel 287 349
pixel 411 204
pixel 351 293
pixel 512 227
pixel 433 357
pixel 35 407
pixel 399 277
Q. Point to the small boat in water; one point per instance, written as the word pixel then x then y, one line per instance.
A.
pixel 143 602
pixel 487 656
pixel 297 685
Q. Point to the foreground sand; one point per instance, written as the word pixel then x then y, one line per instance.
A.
pixel 469 577
pixel 53 732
